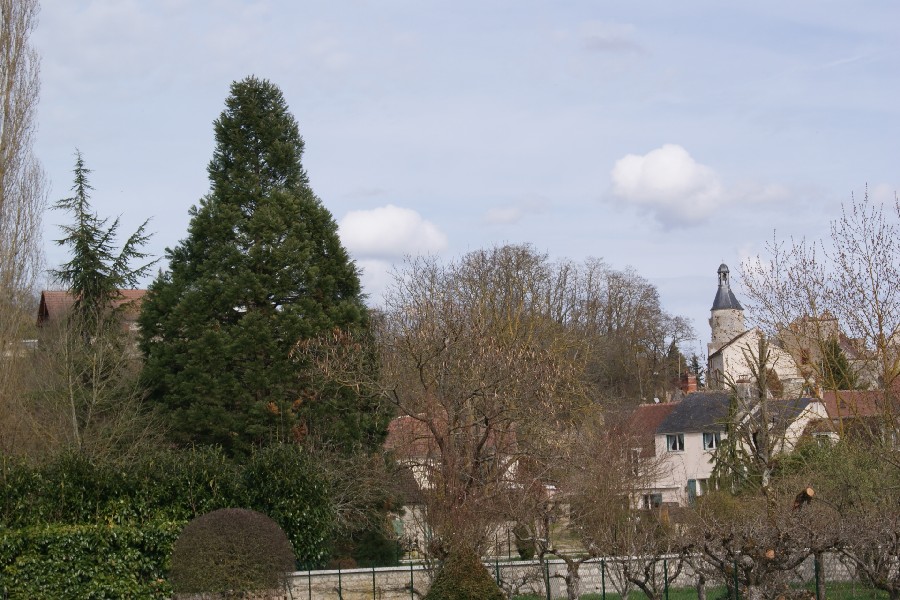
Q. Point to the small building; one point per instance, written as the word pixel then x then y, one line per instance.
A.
pixel 733 348
pixel 686 435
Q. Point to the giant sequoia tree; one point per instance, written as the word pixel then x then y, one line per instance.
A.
pixel 261 267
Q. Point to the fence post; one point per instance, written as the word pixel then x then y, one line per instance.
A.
pixel 374 594
pixel 412 594
pixel 818 570
pixel 309 583
pixel 497 569
pixel 340 586
pixel 666 577
pixel 603 578
pixel 547 579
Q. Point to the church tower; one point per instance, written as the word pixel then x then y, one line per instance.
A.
pixel 727 315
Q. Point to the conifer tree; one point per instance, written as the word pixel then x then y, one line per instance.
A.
pixel 89 375
pixel 96 270
pixel 837 374
pixel 262 268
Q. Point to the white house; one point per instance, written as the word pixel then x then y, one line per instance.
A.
pixel 687 434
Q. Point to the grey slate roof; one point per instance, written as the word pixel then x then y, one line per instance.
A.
pixel 708 411
pixel 784 412
pixel 725 298
pixel 699 411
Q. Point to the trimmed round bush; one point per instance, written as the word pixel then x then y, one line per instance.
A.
pixel 231 551
pixel 463 577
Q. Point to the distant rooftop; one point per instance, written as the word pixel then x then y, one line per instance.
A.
pixel 700 411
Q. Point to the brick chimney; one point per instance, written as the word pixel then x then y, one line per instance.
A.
pixel 688 383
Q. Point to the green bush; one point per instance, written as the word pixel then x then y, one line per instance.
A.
pixel 230 551
pixel 172 485
pixel 86 561
pixel 282 482
pixel 73 492
pixel 463 577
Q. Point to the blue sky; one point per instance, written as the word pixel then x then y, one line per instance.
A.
pixel 665 136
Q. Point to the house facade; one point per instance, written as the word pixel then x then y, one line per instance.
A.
pixel 688 433
pixel 684 444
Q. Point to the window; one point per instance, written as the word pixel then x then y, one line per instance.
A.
pixel 823 438
pixel 711 440
pixel 651 501
pixel 675 442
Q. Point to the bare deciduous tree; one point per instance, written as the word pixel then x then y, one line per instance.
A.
pixel 801 291
pixel 22 197
pixel 480 359
pixel 86 394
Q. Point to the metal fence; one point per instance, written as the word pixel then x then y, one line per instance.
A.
pixel 663 578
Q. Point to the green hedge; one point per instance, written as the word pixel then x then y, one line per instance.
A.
pixel 73 522
pixel 174 485
pixel 87 561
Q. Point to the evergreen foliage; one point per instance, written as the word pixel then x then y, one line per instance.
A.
pixel 261 269
pixel 698 370
pixel 231 551
pixel 101 560
pixel 836 371
pixel 96 271
pixel 171 486
pixel 463 577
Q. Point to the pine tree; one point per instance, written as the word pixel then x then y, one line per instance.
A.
pixel 262 268
pixel 837 374
pixel 96 271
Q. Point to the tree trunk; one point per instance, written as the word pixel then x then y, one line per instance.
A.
pixel 573 580
pixel 701 586
pixel 820 575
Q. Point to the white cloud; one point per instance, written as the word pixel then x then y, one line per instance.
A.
pixel 669 183
pixel 375 277
pixel 389 232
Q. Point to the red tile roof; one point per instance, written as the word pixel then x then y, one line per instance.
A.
pixel 644 421
pixel 854 403
pixel 56 303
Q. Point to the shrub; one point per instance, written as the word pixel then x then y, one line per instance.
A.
pixel 282 482
pixel 230 551
pixel 86 561
pixel 463 577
